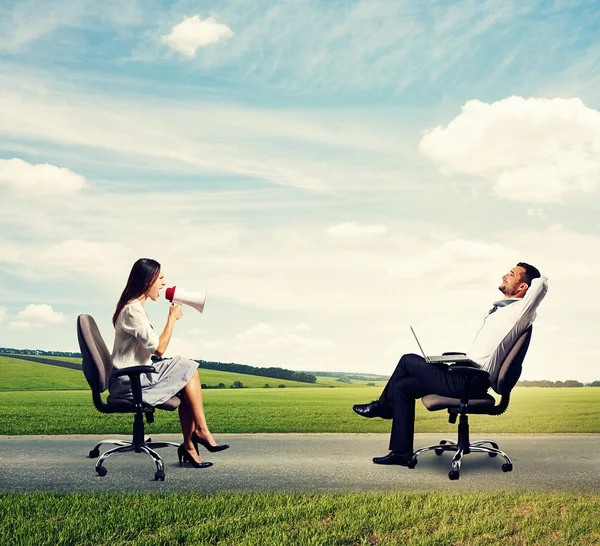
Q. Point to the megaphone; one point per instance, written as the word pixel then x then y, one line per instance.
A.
pixel 179 295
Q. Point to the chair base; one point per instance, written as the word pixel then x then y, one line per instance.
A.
pixel 460 450
pixel 147 447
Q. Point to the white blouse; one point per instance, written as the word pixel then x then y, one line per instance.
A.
pixel 135 339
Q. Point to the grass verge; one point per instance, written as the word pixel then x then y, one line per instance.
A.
pixel 408 518
pixel 532 410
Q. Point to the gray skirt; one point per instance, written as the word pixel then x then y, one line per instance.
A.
pixel 173 374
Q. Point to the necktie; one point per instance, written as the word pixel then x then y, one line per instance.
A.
pixel 501 303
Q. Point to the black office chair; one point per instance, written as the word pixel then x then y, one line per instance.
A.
pixel 97 367
pixel 502 383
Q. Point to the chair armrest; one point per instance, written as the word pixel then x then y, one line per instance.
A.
pixel 468 374
pixel 134 370
pixel 134 373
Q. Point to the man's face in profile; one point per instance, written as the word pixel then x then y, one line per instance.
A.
pixel 512 282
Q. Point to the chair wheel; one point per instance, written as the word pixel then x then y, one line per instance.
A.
pixel 159 475
pixel 94 454
pixel 101 471
pixel 454 474
pixel 493 454
pixel 507 467
pixel 412 463
pixel 438 452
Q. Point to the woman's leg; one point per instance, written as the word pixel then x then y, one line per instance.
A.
pixel 187 425
pixel 192 395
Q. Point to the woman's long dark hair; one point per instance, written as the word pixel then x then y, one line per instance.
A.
pixel 143 275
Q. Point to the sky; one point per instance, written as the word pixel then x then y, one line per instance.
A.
pixel 329 171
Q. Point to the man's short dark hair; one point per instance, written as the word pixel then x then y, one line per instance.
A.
pixel 531 273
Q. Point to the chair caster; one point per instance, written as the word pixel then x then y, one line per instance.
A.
pixel 159 475
pixel 507 467
pixel 438 452
pixel 101 471
pixel 94 454
pixel 454 474
pixel 493 454
pixel 412 463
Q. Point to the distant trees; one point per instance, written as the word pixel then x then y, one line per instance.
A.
pixel 237 385
pixel 355 376
pixel 39 352
pixel 276 373
pixel 546 383
pixel 344 379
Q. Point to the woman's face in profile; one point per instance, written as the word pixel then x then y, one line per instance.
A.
pixel 156 287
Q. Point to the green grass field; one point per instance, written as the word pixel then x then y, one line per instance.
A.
pixel 532 410
pixel 424 519
pixel 42 399
pixel 21 375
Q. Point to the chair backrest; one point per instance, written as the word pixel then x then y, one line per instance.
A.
pixel 510 370
pixel 96 360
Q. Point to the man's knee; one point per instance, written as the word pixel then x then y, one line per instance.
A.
pixel 408 361
pixel 408 387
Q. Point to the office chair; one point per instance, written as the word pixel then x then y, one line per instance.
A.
pixel 97 367
pixel 502 383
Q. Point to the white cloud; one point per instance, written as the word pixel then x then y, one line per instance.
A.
pixel 263 344
pixel 3 314
pixel 352 229
pixel 310 149
pixel 30 180
pixel 105 262
pixel 537 212
pixel 36 316
pixel 533 150
pixel 193 33
pixel 19 325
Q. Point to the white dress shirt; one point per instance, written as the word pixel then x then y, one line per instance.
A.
pixel 502 328
pixel 135 340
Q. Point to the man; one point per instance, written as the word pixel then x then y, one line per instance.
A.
pixel 523 288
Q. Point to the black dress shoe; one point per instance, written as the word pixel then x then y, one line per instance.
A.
pixel 373 409
pixel 185 457
pixel 393 457
pixel 213 449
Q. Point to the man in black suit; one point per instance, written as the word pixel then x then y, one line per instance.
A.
pixel 414 377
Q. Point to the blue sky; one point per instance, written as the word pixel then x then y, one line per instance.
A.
pixel 329 171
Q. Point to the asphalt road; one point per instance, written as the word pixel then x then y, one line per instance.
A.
pixel 300 462
pixel 42 360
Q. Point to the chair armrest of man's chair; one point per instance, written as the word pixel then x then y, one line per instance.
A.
pixel 468 374
pixel 134 373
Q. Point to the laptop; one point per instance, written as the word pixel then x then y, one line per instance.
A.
pixel 441 358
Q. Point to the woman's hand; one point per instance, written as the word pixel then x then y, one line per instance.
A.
pixel 175 311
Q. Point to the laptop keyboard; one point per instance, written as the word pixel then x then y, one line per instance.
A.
pixel 447 358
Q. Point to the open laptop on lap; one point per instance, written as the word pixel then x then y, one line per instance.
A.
pixel 443 359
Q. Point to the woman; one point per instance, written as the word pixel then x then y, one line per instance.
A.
pixel 136 342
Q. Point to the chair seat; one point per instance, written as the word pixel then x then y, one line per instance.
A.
pixel 434 402
pixel 124 405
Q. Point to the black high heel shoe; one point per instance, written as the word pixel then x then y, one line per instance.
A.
pixel 185 457
pixel 213 449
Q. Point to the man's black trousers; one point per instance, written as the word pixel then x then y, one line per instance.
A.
pixel 414 378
